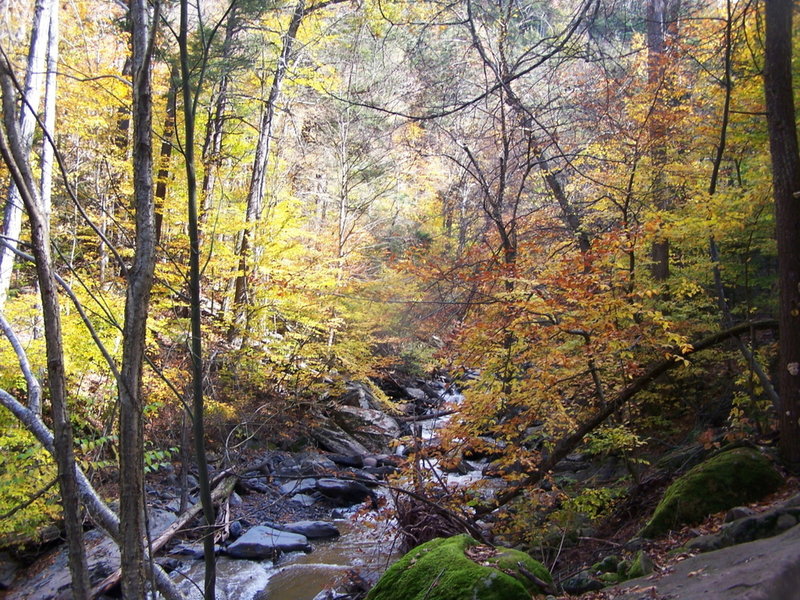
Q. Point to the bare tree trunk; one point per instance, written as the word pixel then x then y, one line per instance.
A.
pixel 255 195
pixel 34 86
pixel 140 281
pixel 48 152
pixel 212 145
pixel 661 23
pixel 165 153
pixel 15 153
pixel 189 108
pixel 786 185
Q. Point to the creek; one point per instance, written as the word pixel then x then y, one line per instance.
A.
pixel 366 544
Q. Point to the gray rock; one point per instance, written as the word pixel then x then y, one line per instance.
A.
pixel 762 570
pixel 235 529
pixel 357 394
pixel 345 493
pixel 8 570
pixel 343 460
pixel 304 499
pixel 581 583
pixel 416 394
pixel 334 439
pixel 312 463
pixel 188 550
pixel 52 574
pixel 738 512
pixel 266 542
pixel 792 502
pixel 704 543
pixel 374 429
pixel 785 521
pixel 299 486
pixel 313 530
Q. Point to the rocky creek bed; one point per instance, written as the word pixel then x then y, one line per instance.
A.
pixel 296 525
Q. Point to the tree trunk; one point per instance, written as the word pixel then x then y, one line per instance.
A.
pixel 34 86
pixel 189 106
pixel 140 281
pixel 661 22
pixel 15 151
pixel 48 152
pixel 786 186
pixel 255 195
pixel 166 151
pixel 212 146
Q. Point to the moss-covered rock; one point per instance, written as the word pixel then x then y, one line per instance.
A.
pixel 459 568
pixel 726 480
pixel 641 565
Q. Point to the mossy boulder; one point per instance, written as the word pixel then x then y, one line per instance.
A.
pixel 459 568
pixel 726 480
pixel 641 565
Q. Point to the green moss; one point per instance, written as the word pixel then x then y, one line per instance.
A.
pixel 726 480
pixel 610 578
pixel 439 570
pixel 642 565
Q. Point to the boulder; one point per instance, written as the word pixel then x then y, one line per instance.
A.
pixel 459 568
pixel 726 480
pixel 313 530
pixel 8 570
pixel 345 493
pixel 352 461
pixel 748 528
pixel 299 486
pixel 372 428
pixel 333 438
pixel 50 576
pixel 267 542
pixel 304 499
pixel 581 583
pixel 359 395
pixel 762 570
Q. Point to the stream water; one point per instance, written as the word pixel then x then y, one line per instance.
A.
pixel 365 544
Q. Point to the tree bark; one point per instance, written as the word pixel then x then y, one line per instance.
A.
pixel 140 281
pixel 786 188
pixel 661 23
pixel 189 107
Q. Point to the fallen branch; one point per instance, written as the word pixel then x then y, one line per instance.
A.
pixel 567 444
pixel 537 581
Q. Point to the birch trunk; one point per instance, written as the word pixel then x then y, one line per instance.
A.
pixel 34 86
